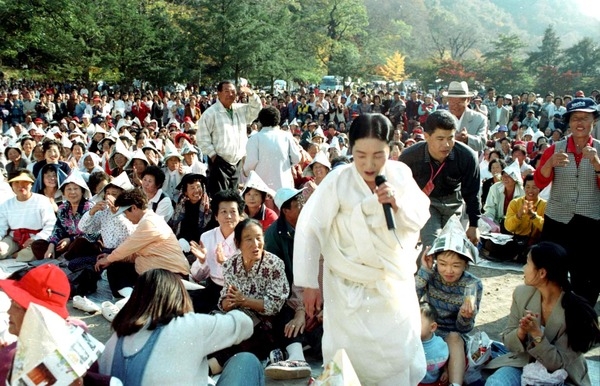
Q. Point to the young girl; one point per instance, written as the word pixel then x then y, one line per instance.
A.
pixel 444 285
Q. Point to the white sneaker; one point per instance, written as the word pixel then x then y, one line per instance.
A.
pixel 85 304
pixel 121 303
pixel 109 311
pixel 289 369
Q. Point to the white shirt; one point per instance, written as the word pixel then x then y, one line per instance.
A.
pixel 6 192
pixel 526 167
pixel 170 105
pixel 211 239
pixel 35 213
pixel 197 166
pixel 271 153
pixel 172 179
pixel 179 355
pixel 113 229
pixel 117 104
pixel 164 208
pixel 484 172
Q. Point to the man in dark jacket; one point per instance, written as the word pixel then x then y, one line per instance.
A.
pixel 279 240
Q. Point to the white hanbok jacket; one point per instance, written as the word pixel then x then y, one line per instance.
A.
pixel 370 303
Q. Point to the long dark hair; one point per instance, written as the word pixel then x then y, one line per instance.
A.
pixel 583 331
pixel 158 297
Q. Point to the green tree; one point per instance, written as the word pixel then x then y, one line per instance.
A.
pixel 233 39
pixel 583 57
pixel 504 66
pixel 139 39
pixel 548 53
pixel 507 46
pixel 333 30
pixel 386 32
pixel 40 34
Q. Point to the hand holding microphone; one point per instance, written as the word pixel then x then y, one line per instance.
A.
pixel 386 195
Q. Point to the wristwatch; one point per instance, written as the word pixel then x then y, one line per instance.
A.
pixel 537 339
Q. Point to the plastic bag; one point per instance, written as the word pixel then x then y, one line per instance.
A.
pixel 338 372
pixel 535 374
pixel 487 225
pixel 478 354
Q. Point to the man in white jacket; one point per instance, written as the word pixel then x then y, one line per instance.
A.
pixel 272 152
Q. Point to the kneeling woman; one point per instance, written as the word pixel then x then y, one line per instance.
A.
pixel 446 285
pixel 255 283
pixel 547 322
pixel 159 340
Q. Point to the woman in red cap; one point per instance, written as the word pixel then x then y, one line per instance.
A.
pixel 46 286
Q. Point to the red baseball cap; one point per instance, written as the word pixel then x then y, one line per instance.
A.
pixel 182 135
pixel 46 285
pixel 187 119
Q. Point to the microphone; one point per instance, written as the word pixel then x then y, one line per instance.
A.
pixel 387 208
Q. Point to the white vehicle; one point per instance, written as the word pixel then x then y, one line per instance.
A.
pixel 332 83
pixel 280 85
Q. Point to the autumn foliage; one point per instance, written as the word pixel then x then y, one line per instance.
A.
pixel 393 69
pixel 451 69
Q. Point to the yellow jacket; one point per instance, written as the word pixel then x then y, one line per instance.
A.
pixel 525 226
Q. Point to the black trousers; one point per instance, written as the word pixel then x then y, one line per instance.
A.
pixel 205 300
pixel 222 175
pixel 121 275
pixel 578 237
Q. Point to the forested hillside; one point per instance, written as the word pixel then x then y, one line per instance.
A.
pixel 201 41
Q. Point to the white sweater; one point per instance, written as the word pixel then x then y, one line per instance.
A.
pixel 35 213
pixel 179 355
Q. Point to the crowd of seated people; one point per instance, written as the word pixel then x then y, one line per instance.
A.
pixel 164 205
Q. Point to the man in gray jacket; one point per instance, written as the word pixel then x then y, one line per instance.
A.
pixel 472 126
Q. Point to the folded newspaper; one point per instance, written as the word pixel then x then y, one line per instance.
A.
pixel 50 351
pixel 497 238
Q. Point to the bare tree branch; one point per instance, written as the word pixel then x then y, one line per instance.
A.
pixel 439 46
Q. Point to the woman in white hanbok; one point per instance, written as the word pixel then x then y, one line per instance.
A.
pixel 370 304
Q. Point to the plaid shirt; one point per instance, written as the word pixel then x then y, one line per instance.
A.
pixel 223 136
